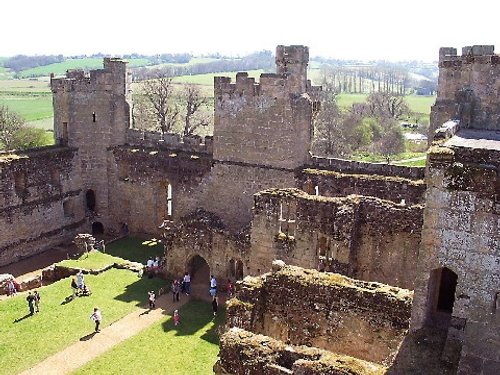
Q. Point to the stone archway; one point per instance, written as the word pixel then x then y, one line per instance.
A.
pixel 199 270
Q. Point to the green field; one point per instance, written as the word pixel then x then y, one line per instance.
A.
pixel 208 79
pixel 26 340
pixel 31 107
pixel 417 103
pixel 84 63
pixel 188 349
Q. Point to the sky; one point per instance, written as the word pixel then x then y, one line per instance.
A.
pixel 350 29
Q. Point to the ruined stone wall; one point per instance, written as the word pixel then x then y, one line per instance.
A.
pixel 203 233
pixel 139 180
pixel 361 237
pixel 268 123
pixel 468 88
pixel 336 184
pixel 244 352
pixel 92 113
pixel 461 232
pixel 367 320
pixel 41 203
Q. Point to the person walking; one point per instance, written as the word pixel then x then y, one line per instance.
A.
pixel 31 303
pixel 11 288
pixel 175 291
pixel 80 280
pixel 36 296
pixel 213 286
pixel 96 316
pixel 215 305
pixel 152 299
pixel 74 287
pixel 229 288
pixel 177 318
pixel 187 283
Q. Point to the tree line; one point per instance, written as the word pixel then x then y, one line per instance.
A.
pixel 258 60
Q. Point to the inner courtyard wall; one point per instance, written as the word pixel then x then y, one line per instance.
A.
pixel 366 320
pixel 41 201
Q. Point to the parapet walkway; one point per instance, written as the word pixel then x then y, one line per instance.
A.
pixel 94 344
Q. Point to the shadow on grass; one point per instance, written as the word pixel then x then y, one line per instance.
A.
pixel 195 315
pixel 88 337
pixel 135 249
pixel 67 300
pixel 23 317
pixel 138 290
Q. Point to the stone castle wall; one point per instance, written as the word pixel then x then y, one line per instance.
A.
pixel 266 123
pixel 331 183
pixel 41 201
pixel 244 352
pixel 468 88
pixel 361 237
pixel 461 233
pixel 327 311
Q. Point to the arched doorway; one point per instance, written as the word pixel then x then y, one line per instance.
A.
pixel 90 200
pixel 199 270
pixel 97 228
pixel 442 287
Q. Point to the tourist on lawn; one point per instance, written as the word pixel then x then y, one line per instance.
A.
pixel 187 283
pixel 96 316
pixel 175 291
pixel 36 296
pixel 74 287
pixel 177 318
pixel 31 303
pixel 152 299
pixel 321 266
pixel 80 279
pixel 11 288
pixel 215 305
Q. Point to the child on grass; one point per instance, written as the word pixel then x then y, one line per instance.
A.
pixel 177 318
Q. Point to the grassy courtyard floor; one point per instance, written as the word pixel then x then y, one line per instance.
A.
pixel 135 249
pixel 190 348
pixel 26 340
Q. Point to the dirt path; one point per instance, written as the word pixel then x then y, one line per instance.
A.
pixel 93 345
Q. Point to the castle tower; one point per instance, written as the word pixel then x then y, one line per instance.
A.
pixel 468 88
pixel 267 123
pixel 92 113
pixel 457 287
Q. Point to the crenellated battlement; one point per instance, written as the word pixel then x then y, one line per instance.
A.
pixel 468 88
pixel 482 54
pixel 112 75
pixel 171 141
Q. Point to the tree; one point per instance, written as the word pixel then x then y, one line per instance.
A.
pixel 383 104
pixel 194 101
pixel 14 134
pixel 160 93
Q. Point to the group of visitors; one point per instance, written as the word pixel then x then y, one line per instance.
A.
pixel 78 286
pixel 153 266
pixel 12 287
pixel 33 302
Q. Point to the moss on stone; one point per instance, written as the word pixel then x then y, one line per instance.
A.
pixel 368 177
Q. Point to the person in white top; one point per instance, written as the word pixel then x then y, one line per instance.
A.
pixel 79 279
pixel 213 286
pixel 187 283
pixel 96 317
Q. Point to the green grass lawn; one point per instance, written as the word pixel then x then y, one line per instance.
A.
pixel 135 249
pixel 26 340
pixel 190 348
pixel 95 260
